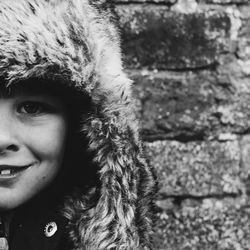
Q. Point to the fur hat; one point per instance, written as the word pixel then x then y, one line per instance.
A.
pixel 76 43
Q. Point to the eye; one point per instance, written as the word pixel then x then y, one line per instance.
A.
pixel 33 108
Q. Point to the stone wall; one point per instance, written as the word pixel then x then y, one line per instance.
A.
pixel 190 62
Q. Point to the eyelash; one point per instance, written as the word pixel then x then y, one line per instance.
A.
pixel 40 108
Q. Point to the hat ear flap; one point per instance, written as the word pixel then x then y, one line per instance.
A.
pixel 127 182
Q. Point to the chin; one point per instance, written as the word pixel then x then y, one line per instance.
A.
pixel 11 201
pixel 8 206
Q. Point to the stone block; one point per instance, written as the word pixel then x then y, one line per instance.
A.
pixel 191 106
pixel 225 1
pixel 197 169
pixel 145 1
pixel 209 225
pixel 245 161
pixel 155 37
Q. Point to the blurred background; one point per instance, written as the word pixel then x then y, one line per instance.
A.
pixel 190 62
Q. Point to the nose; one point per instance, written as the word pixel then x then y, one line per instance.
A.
pixel 7 146
pixel 8 143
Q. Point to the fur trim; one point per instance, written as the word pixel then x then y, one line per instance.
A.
pixel 77 43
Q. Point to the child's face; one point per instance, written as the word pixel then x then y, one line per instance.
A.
pixel 33 128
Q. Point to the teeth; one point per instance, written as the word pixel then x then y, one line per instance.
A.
pixel 5 172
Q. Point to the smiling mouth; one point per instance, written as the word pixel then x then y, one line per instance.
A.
pixel 7 170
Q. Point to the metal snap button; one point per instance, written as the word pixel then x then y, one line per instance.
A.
pixel 50 229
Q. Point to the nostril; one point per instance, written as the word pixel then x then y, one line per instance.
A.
pixel 12 148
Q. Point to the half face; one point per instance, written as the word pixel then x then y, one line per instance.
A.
pixel 33 130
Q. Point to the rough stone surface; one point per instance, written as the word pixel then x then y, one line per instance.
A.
pixel 190 61
pixel 176 1
pixel 146 1
pixel 225 1
pixel 245 13
pixel 245 160
pixel 154 37
pixel 186 6
pixel 209 224
pixel 197 168
pixel 191 106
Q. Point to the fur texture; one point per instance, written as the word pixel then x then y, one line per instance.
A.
pixel 76 42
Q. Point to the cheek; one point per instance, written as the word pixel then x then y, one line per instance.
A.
pixel 47 141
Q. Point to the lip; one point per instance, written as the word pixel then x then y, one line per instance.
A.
pixel 3 167
pixel 18 171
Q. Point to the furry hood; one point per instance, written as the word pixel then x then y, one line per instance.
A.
pixel 76 42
